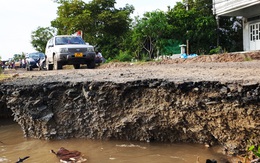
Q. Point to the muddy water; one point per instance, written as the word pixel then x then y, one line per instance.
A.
pixel 13 145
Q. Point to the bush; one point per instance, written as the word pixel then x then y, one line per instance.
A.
pixel 124 57
pixel 255 150
pixel 145 58
pixel 216 50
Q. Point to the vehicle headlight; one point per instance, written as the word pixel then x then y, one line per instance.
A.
pixel 90 49
pixel 64 50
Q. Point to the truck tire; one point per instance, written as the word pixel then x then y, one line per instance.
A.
pixel 76 66
pixel 91 64
pixel 56 64
pixel 49 66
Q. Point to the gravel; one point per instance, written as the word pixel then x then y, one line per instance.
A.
pixel 241 72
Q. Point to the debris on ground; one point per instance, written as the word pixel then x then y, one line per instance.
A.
pixel 67 156
pixel 186 56
pixel 20 160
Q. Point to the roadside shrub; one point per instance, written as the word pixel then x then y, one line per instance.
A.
pixel 109 60
pixel 248 58
pixel 216 50
pixel 255 150
pixel 145 58
pixel 123 57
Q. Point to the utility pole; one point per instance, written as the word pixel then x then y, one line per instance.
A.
pixel 217 19
pixel 187 40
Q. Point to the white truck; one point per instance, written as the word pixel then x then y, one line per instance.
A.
pixel 68 50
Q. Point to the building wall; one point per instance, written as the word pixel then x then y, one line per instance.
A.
pixel 246 35
pixel 249 42
pixel 236 7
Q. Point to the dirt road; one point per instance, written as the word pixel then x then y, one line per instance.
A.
pixel 242 68
pixel 242 72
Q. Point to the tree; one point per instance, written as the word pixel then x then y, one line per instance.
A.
pixel 197 24
pixel 111 26
pixel 72 16
pixel 111 30
pixel 161 32
pixel 40 37
pixel 17 57
pixel 149 31
pixel 102 24
pixel 231 33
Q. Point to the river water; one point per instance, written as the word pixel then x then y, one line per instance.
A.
pixel 13 145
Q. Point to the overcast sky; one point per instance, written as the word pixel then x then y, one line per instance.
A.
pixel 20 17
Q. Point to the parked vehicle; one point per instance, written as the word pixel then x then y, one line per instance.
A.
pixel 35 60
pixel 69 50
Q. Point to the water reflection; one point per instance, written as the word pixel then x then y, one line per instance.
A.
pixel 13 145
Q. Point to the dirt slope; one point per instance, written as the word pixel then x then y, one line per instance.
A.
pixel 226 57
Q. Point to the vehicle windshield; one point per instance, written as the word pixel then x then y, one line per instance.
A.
pixel 36 55
pixel 68 40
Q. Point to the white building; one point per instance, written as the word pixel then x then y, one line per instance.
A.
pixel 250 11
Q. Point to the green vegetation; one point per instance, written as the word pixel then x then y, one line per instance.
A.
pixel 119 37
pixel 216 50
pixel 252 152
pixel 248 58
pixel 255 150
pixel 124 57
pixel 4 76
pixel 17 57
pixel 40 38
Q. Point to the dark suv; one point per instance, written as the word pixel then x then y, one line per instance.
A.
pixel 69 50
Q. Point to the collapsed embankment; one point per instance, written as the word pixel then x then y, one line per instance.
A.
pixel 207 112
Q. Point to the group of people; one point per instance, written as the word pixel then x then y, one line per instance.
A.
pixel 13 64
pixel 22 63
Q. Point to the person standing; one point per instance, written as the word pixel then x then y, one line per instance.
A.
pixel 24 63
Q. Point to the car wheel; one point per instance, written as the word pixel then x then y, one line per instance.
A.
pixel 91 64
pixel 57 65
pixel 43 66
pixel 28 67
pixel 76 66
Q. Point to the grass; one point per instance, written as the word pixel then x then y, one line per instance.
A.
pixel 4 76
pixel 248 58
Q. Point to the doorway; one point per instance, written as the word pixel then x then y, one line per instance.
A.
pixel 254 35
